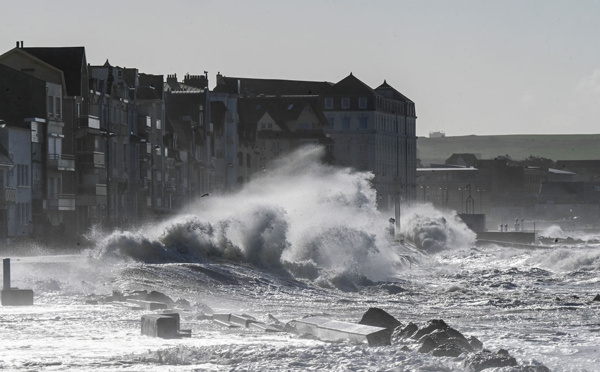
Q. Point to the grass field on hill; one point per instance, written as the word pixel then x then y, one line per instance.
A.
pixel 518 147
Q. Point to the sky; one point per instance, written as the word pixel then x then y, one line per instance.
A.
pixel 471 67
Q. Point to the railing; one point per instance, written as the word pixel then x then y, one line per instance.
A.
pixel 62 202
pixel 8 195
pixel 97 189
pixel 61 162
pixel 90 121
pixel 92 158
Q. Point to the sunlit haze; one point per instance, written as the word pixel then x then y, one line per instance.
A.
pixel 471 67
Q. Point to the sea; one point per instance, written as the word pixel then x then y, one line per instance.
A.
pixel 302 239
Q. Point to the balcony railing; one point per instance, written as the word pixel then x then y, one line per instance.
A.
pixel 97 189
pixel 8 195
pixel 62 202
pixel 61 162
pixel 93 158
pixel 90 121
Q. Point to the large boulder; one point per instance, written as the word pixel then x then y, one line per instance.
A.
pixel 379 318
pixel 487 359
pixel 156 296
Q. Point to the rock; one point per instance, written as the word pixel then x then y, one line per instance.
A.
pixel 379 318
pixel 597 298
pixel 538 368
pixel 431 326
pixel 156 296
pixel 393 289
pixel 475 343
pixel 405 332
pixel 428 344
pixel 183 304
pixel 447 349
pixel 486 359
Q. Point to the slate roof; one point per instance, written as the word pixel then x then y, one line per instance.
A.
pixel 146 80
pixel 283 110
pixel 70 60
pixel 468 159
pixel 179 88
pixel 388 91
pixel 254 87
pixel 350 85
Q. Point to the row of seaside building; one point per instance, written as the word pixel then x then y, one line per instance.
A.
pixel 108 146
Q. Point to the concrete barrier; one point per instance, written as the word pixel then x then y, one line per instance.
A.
pixel 17 297
pixel 13 296
pixel 246 321
pixel 333 330
pixel 147 305
pixel 160 325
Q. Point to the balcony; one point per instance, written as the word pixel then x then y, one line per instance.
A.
pixel 8 195
pixel 61 162
pixel 97 189
pixel 91 158
pixel 89 121
pixel 62 202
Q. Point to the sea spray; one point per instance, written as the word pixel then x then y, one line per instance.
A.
pixel 313 220
pixel 434 230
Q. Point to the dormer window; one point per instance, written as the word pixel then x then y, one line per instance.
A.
pixel 345 103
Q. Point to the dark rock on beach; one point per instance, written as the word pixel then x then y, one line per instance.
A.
pixel 487 359
pixel 379 318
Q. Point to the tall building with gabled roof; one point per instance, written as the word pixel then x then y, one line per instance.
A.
pixel 374 130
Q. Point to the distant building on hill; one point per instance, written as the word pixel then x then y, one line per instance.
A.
pixel 437 134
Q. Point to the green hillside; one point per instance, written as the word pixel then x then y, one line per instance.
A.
pixel 518 147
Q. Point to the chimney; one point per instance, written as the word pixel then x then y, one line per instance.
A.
pixel 172 79
pixel 21 44
pixel 17 44
pixel 196 81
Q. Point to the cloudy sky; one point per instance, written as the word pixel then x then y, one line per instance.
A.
pixel 472 67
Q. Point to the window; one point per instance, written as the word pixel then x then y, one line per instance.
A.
pixel 158 124
pixel 345 103
pixel 50 105
pixel 330 122
pixel 346 123
pixel 22 175
pixel 363 122
pixel 362 102
pixel 269 126
pixel 328 103
pixel 54 147
pixel 240 159
pixel 57 107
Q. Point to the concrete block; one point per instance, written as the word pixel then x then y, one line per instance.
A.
pixel 160 325
pixel 147 305
pixel 17 297
pixel 242 320
pixel 223 319
pixel 333 330
pixel 264 327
